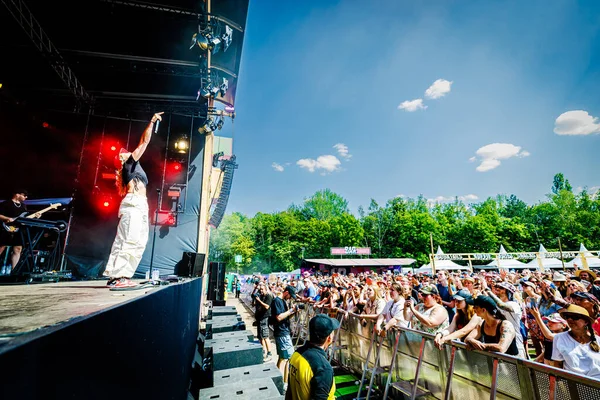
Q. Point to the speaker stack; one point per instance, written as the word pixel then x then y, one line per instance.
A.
pixel 191 265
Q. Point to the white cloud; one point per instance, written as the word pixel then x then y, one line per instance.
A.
pixel 277 167
pixel 592 190
pixel 442 199
pixel 327 163
pixel 491 154
pixel 412 105
pixel 576 122
pixel 438 89
pixel 342 150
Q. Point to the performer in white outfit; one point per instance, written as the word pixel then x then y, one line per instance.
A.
pixel 132 231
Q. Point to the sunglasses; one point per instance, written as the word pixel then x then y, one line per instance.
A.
pixel 573 317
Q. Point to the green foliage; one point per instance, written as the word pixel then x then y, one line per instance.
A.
pixel 402 228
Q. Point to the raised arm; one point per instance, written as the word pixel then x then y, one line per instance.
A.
pixel 501 305
pixel 145 140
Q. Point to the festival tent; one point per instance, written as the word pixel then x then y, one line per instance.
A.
pixel 577 262
pixel 504 263
pixel 547 262
pixel 441 265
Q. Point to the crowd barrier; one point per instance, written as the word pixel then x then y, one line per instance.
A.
pixel 450 373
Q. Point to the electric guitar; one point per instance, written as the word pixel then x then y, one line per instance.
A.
pixel 12 227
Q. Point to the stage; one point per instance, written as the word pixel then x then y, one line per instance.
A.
pixel 28 308
pixel 79 340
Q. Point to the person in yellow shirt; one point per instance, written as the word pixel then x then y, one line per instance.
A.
pixel 311 375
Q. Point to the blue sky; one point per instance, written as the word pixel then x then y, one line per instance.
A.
pixel 509 96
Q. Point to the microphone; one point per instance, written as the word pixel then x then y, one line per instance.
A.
pixel 156 125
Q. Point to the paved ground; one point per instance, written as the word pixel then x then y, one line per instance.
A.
pixel 249 320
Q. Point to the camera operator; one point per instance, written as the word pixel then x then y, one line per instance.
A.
pixel 263 300
pixel 281 314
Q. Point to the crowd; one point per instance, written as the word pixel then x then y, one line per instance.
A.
pixel 548 317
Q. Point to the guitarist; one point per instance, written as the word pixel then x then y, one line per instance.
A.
pixel 9 211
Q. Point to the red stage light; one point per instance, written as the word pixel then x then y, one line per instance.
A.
pixel 113 148
pixel 45 125
pixel 171 220
pixel 106 204
pixel 175 167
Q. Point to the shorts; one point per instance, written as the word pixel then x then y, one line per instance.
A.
pixel 285 347
pixel 263 329
pixel 10 239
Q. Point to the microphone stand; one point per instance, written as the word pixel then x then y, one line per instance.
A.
pixel 154 234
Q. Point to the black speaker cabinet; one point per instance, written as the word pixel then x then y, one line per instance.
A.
pixel 216 282
pixel 191 264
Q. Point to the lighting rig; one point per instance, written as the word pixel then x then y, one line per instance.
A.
pixel 213 37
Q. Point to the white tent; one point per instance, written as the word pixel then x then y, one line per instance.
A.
pixel 441 265
pixel 506 263
pixel 547 262
pixel 577 262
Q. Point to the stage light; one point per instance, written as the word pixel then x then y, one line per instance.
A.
pixel 220 123
pixel 211 90
pixel 45 125
pixel 106 204
pixel 0 86
pixel 229 109
pixel 209 40
pixel 182 145
pixel 208 127
pixel 227 37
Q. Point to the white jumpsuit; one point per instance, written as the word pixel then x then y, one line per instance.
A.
pixel 131 239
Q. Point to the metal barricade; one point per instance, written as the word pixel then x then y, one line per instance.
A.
pixel 452 373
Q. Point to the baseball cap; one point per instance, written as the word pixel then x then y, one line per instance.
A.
pixel 555 317
pixel 321 326
pixel 586 295
pixel 462 295
pixel 429 289
pixel 506 286
pixel 291 290
pixel 117 160
pixel 487 303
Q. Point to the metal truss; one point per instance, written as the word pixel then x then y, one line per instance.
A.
pixel 41 41
pixel 139 64
pixel 173 10
pixel 197 110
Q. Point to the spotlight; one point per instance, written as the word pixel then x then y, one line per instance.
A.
pixel 209 40
pixel 211 90
pixel 209 126
pixel 227 37
pixel 45 125
pixel 113 148
pixel 182 145
pixel 220 123
pixel 106 204
pixel 224 86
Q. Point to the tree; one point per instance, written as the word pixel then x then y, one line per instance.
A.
pixel 559 183
pixel 324 205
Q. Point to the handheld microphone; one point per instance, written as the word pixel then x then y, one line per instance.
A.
pixel 156 125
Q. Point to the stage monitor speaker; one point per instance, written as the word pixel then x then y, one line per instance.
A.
pixel 216 283
pixel 191 264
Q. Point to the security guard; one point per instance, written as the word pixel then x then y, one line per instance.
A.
pixel 311 375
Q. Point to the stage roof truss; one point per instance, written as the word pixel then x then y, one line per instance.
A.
pixel 23 16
